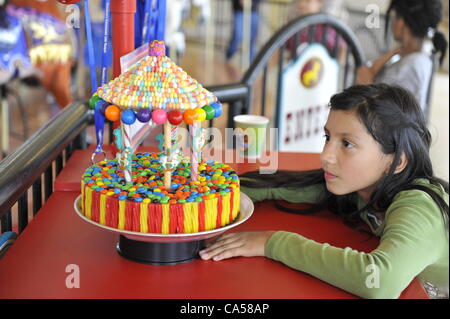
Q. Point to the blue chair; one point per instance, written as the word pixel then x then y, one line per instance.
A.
pixel 6 240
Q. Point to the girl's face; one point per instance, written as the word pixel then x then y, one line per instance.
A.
pixel 351 158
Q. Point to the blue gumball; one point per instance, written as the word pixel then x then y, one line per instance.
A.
pixel 217 108
pixel 128 117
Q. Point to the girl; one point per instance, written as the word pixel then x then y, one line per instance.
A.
pixel 376 170
pixel 413 22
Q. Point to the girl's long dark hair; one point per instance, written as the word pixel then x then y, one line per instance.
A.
pixel 393 117
pixel 421 16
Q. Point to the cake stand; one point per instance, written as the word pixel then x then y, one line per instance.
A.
pixel 167 249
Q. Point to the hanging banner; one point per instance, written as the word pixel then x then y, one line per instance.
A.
pixel 306 88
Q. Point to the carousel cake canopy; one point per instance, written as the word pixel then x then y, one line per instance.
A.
pixel 156 84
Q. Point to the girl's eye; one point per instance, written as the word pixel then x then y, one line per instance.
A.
pixel 347 144
pixel 327 137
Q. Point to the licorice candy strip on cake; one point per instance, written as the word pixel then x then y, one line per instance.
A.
pixel 201 216
pixel 121 224
pixel 165 218
pixel 180 218
pixel 194 217
pixel 136 211
pixel 158 218
pixel 173 220
pixel 143 216
pixel 129 215
pixel 102 219
pixel 112 212
pixel 226 212
pixel 210 213
pixel 88 204
pixel 231 206
pixel 187 217
pixel 152 219
pixel 219 212
pixel 237 199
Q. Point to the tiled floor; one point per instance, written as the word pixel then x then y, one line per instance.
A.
pixel 39 109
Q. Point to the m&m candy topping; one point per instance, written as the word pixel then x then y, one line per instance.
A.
pixel 214 179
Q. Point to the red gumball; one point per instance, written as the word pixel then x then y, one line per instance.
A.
pixel 68 1
pixel 175 117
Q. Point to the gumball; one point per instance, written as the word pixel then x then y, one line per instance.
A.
pixel 94 99
pixel 159 116
pixel 175 117
pixel 209 110
pixel 68 1
pixel 144 115
pixel 190 116
pixel 128 117
pixel 112 113
pixel 217 109
pixel 201 114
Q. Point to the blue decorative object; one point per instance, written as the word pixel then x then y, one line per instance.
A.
pixel 13 46
pixel 128 117
pixel 217 109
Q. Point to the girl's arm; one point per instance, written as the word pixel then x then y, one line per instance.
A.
pixel 367 74
pixel 412 240
pixel 309 194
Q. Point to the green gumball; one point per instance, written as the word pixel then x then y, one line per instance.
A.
pixel 210 112
pixel 92 101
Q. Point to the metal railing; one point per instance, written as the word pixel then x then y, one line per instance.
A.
pixel 240 96
pixel 38 161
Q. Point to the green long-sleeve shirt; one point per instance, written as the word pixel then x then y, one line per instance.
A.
pixel 413 242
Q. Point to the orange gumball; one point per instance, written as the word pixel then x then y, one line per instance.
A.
pixel 112 113
pixel 190 116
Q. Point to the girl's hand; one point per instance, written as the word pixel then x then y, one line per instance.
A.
pixel 246 244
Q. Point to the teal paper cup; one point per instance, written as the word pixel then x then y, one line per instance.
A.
pixel 251 132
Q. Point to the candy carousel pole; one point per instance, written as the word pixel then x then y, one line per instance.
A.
pixel 194 130
pixel 126 153
pixel 167 147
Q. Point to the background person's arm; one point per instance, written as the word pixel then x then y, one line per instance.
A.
pixel 367 74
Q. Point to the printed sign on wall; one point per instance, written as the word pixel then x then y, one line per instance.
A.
pixel 306 88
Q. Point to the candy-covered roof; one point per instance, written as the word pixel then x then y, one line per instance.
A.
pixel 156 82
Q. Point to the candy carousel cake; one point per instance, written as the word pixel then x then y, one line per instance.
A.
pixel 160 192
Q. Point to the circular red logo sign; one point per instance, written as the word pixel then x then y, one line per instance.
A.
pixel 311 73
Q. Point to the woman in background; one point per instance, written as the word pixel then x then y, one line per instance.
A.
pixel 414 22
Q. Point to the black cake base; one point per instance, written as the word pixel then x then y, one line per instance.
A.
pixel 154 253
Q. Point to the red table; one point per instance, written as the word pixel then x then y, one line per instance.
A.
pixel 35 266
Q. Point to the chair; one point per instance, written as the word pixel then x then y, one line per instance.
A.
pixel 6 240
